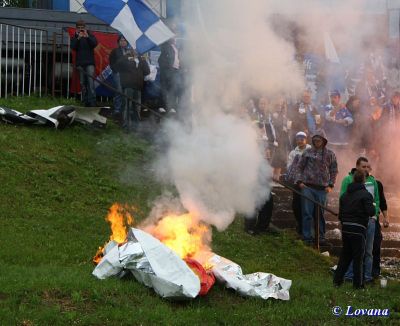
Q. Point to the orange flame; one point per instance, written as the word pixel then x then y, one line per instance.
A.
pixel 183 234
pixel 119 219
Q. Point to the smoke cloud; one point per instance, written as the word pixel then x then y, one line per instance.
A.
pixel 214 158
pixel 233 50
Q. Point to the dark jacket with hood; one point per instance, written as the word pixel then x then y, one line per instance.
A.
pixel 131 72
pixel 318 168
pixel 370 184
pixel 356 205
pixel 84 48
pixel 167 56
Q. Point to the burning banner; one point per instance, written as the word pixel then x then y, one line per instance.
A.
pixel 152 263
pixel 173 258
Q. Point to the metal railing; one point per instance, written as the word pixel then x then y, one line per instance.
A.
pixel 24 60
pixel 318 210
pixel 61 72
pixel 37 4
pixel 116 91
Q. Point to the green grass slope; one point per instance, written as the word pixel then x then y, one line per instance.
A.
pixel 56 188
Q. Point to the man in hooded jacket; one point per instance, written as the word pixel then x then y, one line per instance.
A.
pixel 355 208
pixel 316 177
pixel 362 165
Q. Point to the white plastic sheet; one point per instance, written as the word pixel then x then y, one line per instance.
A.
pixel 155 265
pixel 262 285
pixel 152 263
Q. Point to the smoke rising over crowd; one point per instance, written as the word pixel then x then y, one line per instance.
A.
pixel 234 52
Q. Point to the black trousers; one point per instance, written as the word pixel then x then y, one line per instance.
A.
pixel 262 218
pixel 296 207
pixel 353 239
pixel 376 252
pixel 171 87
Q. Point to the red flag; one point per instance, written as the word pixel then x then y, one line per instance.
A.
pixel 106 43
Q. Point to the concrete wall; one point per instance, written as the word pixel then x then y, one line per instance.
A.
pixel 159 6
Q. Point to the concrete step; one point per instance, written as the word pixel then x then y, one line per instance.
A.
pixel 283 218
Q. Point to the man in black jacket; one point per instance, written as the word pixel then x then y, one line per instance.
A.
pixel 170 73
pixel 355 208
pixel 132 69
pixel 84 42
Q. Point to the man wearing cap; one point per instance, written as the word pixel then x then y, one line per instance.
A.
pixel 316 177
pixel 293 160
pixel 84 42
pixel 338 120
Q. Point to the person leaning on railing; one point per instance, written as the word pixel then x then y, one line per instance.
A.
pixel 316 177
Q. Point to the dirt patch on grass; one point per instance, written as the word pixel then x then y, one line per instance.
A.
pixel 3 296
pixel 57 298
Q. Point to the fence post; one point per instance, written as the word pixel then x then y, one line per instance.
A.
pixel 47 63
pixel 53 73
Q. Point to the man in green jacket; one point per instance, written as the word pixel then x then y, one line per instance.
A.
pixel 362 165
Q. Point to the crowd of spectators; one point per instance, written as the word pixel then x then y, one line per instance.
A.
pixel 305 143
pixel 129 72
pixel 308 143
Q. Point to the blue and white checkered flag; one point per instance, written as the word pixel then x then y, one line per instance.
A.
pixel 141 27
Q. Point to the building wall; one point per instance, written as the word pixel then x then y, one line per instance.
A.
pixel 159 6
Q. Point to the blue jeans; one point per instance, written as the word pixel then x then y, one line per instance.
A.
pixel 87 86
pixel 308 210
pixel 131 110
pixel 368 258
pixel 117 97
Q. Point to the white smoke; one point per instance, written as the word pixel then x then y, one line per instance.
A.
pixel 216 162
pixel 234 49
pixel 217 168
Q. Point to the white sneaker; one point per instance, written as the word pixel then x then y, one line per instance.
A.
pixel 172 111
pixel 162 110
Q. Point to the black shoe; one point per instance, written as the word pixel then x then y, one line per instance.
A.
pixel 251 232
pixel 322 242
pixel 359 287
pixel 369 282
pixel 308 243
pixel 336 285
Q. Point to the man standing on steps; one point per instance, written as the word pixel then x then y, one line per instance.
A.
pixel 293 160
pixel 316 177
pixel 362 165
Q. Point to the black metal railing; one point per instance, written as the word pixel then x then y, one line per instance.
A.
pixel 35 4
pixel 116 91
pixel 24 60
pixel 319 207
